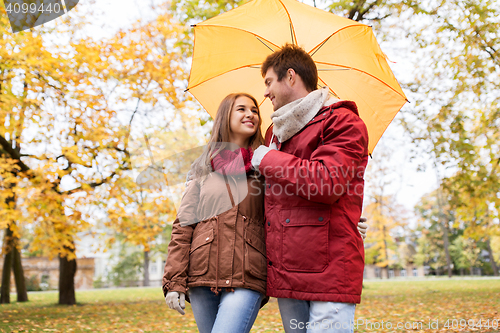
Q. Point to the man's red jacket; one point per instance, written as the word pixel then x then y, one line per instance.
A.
pixel 313 202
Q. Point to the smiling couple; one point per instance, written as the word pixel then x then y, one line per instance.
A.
pixel 239 240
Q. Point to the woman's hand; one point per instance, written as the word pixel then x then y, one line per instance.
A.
pixel 176 301
pixel 362 227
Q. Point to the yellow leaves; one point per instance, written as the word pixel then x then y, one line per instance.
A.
pixel 72 154
pixel 495 246
pixel 383 218
pixel 427 301
pixel 129 309
pixel 70 113
pixel 135 212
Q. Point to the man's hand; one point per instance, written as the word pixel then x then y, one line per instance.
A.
pixel 176 301
pixel 259 154
pixel 362 227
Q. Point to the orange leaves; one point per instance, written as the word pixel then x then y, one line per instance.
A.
pixel 143 309
pixel 427 302
pixel 72 108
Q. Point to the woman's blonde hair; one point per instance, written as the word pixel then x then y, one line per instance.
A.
pixel 220 135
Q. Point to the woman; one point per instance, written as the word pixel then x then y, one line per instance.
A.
pixel 220 260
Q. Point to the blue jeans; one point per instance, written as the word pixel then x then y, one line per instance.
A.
pixel 314 316
pixel 228 312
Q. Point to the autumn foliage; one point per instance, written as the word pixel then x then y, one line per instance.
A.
pixel 81 117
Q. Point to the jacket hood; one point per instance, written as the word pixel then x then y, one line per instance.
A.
pixel 350 105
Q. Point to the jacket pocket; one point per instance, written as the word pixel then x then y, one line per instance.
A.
pixel 200 253
pixel 305 239
pixel 255 255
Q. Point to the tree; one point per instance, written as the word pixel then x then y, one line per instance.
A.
pixel 201 10
pixel 68 103
pixel 456 109
pixel 437 217
pixel 8 217
pixel 466 254
pixel 430 250
pixel 362 10
pixel 138 215
pixel 387 218
pixel 457 252
pixel 406 254
pixel 128 267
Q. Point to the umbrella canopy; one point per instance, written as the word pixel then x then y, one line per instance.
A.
pixel 230 48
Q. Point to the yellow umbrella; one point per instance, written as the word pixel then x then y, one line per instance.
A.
pixel 230 48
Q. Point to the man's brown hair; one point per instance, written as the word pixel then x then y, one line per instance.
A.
pixel 295 57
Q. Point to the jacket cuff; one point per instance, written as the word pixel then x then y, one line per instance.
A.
pixel 180 287
pixel 267 160
pixel 259 154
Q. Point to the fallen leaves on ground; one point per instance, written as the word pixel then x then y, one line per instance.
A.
pixel 423 306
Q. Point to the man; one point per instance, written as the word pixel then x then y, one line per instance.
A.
pixel 314 166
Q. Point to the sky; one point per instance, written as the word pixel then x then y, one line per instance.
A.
pixel 408 185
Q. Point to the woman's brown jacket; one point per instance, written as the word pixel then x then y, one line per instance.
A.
pixel 227 248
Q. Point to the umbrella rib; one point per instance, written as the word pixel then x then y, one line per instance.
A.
pixel 292 30
pixel 376 78
pixel 317 47
pixel 321 45
pixel 251 33
pixel 233 69
pixel 375 114
pixel 333 92
pixel 260 40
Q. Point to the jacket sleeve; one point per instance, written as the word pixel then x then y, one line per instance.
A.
pixel 189 204
pixel 325 177
pixel 176 266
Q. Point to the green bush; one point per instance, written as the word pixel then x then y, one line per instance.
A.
pixel 32 283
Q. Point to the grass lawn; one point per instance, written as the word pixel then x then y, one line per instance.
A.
pixel 415 304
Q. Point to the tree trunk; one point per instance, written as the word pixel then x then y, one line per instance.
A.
pixel 7 266
pixel 446 247
pixel 5 293
pixel 492 259
pixel 22 294
pixel 443 222
pixel 146 269
pixel 385 252
pixel 67 271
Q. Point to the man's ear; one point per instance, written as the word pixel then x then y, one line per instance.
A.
pixel 291 76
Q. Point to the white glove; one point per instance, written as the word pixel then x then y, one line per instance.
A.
pixel 362 227
pixel 176 301
pixel 259 154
